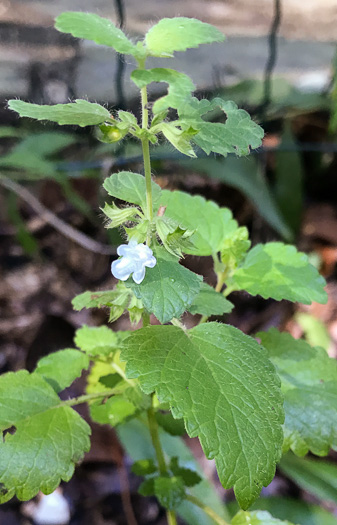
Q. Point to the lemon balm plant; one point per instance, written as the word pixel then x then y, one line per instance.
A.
pixel 246 402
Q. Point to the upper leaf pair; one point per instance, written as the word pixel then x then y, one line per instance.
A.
pixel 162 40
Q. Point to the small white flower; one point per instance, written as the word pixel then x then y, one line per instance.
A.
pixel 135 257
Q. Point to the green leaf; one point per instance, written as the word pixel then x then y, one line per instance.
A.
pixel 190 477
pixel 279 271
pixel 237 135
pixel 128 118
pixel 135 310
pixel 319 478
pixel 93 27
pixel 144 467
pixel 209 302
pixel 117 215
pixel 117 297
pixel 235 247
pixel 223 385
pixel 49 438
pixel 175 238
pixel 174 427
pixel 96 340
pixel 113 411
pixel 130 187
pixel 212 225
pixel 179 34
pixel 147 488
pixel 169 491
pixel 298 511
pixel 257 517
pixel 309 385
pixel 245 175
pixel 180 86
pixel 179 139
pixel 168 289
pixel 61 368
pixel 81 112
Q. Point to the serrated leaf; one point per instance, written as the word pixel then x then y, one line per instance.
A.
pixel 237 135
pixel 279 271
pixel 114 411
pixel 209 302
pixel 180 139
pixel 130 187
pixel 144 467
pixel 235 247
pixel 96 340
pixel 180 86
pixel 223 385
pixel 175 238
pixel 81 112
pixel 309 385
pixel 49 438
pixel 117 297
pixel 169 491
pixel 189 477
pixel 179 34
pixel 61 368
pixel 168 289
pixel 210 223
pixel 245 174
pixel 93 27
pixel 93 299
pixel 257 517
pixel 128 118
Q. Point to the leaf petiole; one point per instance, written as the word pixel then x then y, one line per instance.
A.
pixel 208 510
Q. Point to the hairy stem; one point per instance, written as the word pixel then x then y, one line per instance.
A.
pixel 207 510
pixel 153 427
pixel 146 159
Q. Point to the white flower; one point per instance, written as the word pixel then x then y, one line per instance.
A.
pixel 135 257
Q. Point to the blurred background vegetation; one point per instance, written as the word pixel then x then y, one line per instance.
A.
pixel 279 62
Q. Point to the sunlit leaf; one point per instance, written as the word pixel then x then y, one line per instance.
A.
pixel 178 34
